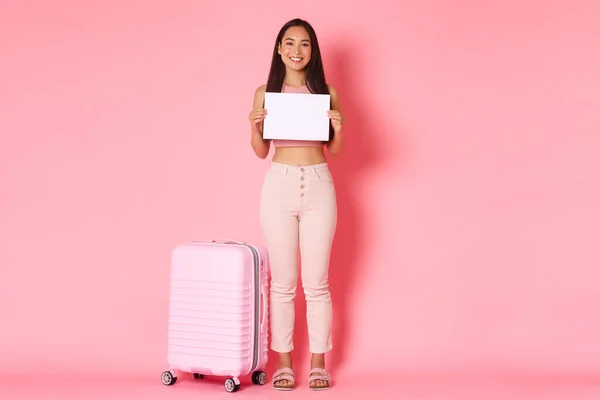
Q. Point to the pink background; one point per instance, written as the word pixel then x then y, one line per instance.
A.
pixel 469 192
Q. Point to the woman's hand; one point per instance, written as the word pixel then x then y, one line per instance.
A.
pixel 256 118
pixel 337 120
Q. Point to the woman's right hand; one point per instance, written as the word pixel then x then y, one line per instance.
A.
pixel 256 118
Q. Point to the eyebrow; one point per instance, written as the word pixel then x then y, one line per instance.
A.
pixel 303 40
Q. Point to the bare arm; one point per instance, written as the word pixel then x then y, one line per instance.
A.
pixel 336 145
pixel 259 145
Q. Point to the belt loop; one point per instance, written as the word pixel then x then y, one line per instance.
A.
pixel 286 170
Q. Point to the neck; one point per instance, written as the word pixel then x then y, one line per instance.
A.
pixel 295 78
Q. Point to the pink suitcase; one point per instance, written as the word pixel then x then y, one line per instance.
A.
pixel 218 312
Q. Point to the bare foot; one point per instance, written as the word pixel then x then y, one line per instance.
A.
pixel 318 361
pixel 285 361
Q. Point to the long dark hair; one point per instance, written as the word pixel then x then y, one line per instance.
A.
pixel 315 74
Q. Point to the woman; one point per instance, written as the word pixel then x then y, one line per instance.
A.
pixel 298 205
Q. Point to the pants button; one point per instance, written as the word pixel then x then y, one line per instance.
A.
pixel 301 186
pixel 302 194
pixel 302 178
pixel 302 169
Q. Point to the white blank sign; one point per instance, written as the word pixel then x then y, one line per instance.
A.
pixel 296 116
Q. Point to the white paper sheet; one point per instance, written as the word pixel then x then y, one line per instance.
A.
pixel 296 116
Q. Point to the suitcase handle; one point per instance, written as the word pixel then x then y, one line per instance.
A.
pixel 227 241
pixel 263 294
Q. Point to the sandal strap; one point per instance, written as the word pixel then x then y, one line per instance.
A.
pixel 319 374
pixel 283 374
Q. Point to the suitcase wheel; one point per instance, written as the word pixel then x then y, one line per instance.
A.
pixel 231 386
pixel 259 377
pixel 168 378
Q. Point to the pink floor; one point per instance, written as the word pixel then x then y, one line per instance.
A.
pixel 371 386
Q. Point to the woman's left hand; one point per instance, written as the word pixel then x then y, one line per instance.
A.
pixel 337 120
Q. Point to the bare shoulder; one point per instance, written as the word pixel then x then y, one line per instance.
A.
pixel 332 91
pixel 259 96
pixel 261 89
pixel 335 99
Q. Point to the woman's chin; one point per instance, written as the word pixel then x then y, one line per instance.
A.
pixel 296 66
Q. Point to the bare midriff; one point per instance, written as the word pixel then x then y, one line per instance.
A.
pixel 309 155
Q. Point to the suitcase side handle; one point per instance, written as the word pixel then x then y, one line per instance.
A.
pixel 263 295
pixel 227 241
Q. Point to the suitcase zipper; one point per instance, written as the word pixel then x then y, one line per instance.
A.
pixel 257 309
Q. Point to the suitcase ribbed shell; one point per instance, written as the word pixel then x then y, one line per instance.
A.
pixel 218 308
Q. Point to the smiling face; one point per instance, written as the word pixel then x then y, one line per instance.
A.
pixel 295 48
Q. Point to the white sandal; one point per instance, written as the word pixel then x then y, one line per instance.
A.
pixel 283 374
pixel 319 375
